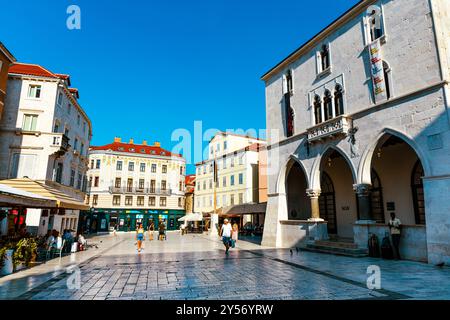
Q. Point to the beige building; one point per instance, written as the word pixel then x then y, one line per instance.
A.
pixel 44 136
pixel 236 159
pixel 134 183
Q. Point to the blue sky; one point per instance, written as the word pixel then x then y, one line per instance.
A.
pixel 146 68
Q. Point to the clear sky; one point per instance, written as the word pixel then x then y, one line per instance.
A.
pixel 145 68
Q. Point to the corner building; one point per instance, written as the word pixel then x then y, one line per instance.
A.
pixel 363 114
pixel 134 183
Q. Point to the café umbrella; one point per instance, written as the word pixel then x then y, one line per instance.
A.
pixel 190 217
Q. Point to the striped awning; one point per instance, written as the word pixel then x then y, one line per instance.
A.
pixel 10 196
pixel 61 199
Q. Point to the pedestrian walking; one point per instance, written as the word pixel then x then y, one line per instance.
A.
pixel 395 226
pixel 140 237
pixel 162 231
pixel 151 229
pixel 225 233
pixel 234 235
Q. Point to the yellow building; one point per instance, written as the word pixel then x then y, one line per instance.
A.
pixel 236 181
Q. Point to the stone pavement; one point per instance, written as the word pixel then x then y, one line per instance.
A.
pixel 194 267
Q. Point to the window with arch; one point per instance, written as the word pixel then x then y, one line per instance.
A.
pixel 289 112
pixel 324 58
pixel 317 109
pixel 418 193
pixel 387 79
pixel 328 105
pixel 338 100
pixel 374 23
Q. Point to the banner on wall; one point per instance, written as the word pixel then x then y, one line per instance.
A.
pixel 377 71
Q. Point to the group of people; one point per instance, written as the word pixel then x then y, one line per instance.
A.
pixel 229 235
pixel 140 233
pixel 53 239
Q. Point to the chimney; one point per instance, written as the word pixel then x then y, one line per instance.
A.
pixel 157 144
pixel 131 141
pixel 144 143
pixel 117 139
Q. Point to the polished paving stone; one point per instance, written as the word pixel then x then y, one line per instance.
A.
pixel 195 267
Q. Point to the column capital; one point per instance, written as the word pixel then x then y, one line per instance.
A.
pixel 362 189
pixel 313 193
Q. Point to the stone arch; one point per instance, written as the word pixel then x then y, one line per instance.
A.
pixel 315 172
pixel 284 172
pixel 365 165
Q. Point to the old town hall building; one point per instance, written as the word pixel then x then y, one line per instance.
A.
pixel 363 114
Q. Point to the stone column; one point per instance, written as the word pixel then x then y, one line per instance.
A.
pixel 361 228
pixel 314 197
pixel 317 228
pixel 363 193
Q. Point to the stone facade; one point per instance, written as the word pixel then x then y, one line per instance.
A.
pixel 348 148
pixel 41 117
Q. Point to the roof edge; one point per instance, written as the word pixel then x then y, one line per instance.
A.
pixel 347 15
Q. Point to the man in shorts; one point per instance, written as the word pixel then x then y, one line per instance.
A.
pixel 225 232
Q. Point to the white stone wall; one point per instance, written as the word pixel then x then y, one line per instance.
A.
pixel 40 143
pixel 417 113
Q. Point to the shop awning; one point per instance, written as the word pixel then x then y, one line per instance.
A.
pixel 248 208
pixel 10 196
pixel 61 199
pixel 192 217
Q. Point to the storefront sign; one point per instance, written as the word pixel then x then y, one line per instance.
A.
pixel 376 67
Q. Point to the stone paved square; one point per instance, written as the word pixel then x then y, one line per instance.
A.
pixel 195 267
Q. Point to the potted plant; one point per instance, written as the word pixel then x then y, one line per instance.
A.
pixel 6 258
pixel 25 253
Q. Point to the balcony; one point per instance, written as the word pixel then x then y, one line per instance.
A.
pixel 60 142
pixel 140 191
pixel 333 128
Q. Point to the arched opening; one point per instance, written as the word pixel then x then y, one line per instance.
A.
pixel 298 204
pixel 338 100
pixel 328 105
pixel 317 109
pixel 401 171
pixel 337 204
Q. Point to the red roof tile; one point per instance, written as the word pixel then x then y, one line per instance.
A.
pixel 136 148
pixel 31 69
pixel 190 179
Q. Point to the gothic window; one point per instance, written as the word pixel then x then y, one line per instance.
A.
pixel 317 110
pixel 387 79
pixel 328 105
pixel 325 58
pixel 289 83
pixel 418 193
pixel 289 112
pixel 375 23
pixel 338 101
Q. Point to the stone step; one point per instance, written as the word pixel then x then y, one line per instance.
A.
pixel 337 244
pixel 336 250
